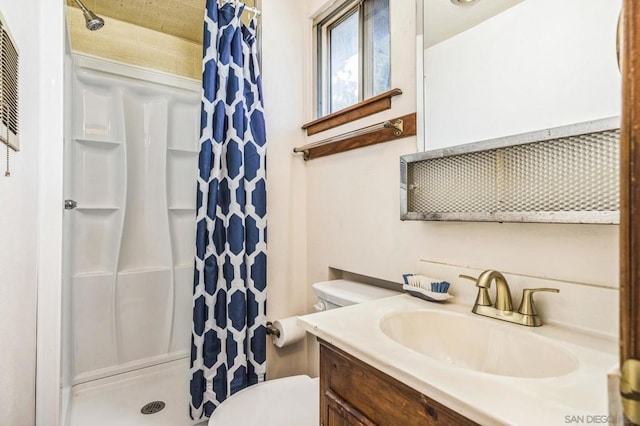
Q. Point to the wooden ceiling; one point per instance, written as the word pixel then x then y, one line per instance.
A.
pixel 180 18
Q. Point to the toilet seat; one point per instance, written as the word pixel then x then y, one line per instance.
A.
pixel 290 401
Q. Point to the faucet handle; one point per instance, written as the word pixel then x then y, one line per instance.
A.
pixel 468 277
pixel 527 306
pixel 483 298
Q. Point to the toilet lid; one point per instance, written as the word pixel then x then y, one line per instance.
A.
pixel 291 401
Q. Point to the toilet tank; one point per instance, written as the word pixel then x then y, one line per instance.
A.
pixel 338 293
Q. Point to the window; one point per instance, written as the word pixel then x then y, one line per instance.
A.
pixel 353 54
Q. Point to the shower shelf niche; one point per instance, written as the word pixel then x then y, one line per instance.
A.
pixel 98 208
pixel 97 141
pixel 183 151
pixel 144 269
pixel 94 274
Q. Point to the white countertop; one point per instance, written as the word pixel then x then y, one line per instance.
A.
pixel 484 398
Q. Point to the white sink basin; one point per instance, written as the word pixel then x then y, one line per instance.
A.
pixel 476 344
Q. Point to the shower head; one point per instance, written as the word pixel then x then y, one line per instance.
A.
pixel 94 22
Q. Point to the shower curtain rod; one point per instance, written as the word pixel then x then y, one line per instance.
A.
pixel 247 8
pixel 253 10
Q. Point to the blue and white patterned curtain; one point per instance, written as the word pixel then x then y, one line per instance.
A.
pixel 228 351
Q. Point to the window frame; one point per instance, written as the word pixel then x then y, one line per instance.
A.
pixel 322 39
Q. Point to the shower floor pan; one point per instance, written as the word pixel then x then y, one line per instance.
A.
pixel 118 400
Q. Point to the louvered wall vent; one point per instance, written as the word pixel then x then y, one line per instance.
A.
pixel 9 115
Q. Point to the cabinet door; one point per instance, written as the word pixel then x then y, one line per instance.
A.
pixel 341 413
pixel 354 393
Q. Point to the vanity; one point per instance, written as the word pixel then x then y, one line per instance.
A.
pixel 354 393
pixel 405 361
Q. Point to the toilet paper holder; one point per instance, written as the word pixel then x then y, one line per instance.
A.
pixel 271 329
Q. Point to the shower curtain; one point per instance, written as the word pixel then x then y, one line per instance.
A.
pixel 228 351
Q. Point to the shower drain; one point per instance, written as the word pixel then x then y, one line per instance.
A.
pixel 153 407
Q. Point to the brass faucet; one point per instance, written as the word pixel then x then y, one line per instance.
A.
pixel 503 308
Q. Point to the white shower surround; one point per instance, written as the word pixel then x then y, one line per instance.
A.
pixel 131 166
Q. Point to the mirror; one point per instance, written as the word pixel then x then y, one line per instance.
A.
pixel 496 68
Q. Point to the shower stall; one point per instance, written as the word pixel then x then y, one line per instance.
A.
pixel 131 153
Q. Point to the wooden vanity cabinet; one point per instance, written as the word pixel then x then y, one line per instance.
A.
pixel 354 393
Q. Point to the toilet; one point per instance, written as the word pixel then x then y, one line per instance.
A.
pixel 292 401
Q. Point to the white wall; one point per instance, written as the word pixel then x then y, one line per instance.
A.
pixel 30 221
pixel 282 52
pixel 354 220
pixel 50 202
pixel 556 67
pixel 18 231
pixel 353 197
